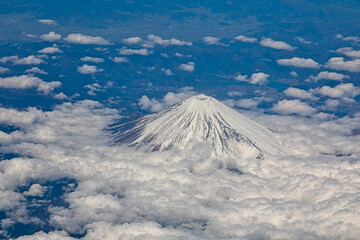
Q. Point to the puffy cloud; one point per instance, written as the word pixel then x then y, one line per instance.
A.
pixel 293 107
pixel 294 74
pixel 211 40
pixel 299 62
pixel 120 59
pixel 51 36
pixel 30 60
pixel 299 93
pixel 9 59
pixel 47 21
pixel 153 40
pixel 339 91
pixel 127 51
pixel 132 40
pixel 328 76
pixel 35 190
pixel 338 63
pixel 85 39
pixel 36 70
pixel 89 69
pixel 152 105
pixel 349 52
pixel 268 42
pixel 178 55
pixel 256 78
pixel 95 87
pixel 188 67
pixel 4 70
pixel 26 81
pixel 92 59
pixel 130 194
pixel 50 50
pixel 167 71
pixel 242 38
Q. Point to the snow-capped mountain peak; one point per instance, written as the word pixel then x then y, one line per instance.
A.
pixel 201 119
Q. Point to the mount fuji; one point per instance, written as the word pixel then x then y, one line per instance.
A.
pixel 201 119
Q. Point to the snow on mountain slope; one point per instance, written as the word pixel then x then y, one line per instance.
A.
pixel 201 119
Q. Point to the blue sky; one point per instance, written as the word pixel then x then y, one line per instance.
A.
pixel 84 65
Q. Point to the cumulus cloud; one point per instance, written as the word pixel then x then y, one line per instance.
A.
pixel 299 93
pixel 247 103
pixel 293 107
pixel 47 21
pixel 30 60
pixel 338 63
pixel 168 72
pixel 4 70
pixel 153 40
pixel 120 59
pixel 36 70
pixel 51 36
pixel 256 78
pixel 242 38
pixel 211 40
pixel 339 91
pixel 128 194
pixel 294 74
pixel 188 67
pixel 79 38
pixel 128 51
pixel 50 50
pixel 353 39
pixel 132 40
pixel 299 62
pixel 35 190
pixel 328 76
pixel 92 59
pixel 28 81
pixel 349 52
pixel 280 45
pixel 89 69
pixel 8 59
pixel 151 105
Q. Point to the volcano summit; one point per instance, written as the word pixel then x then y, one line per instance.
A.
pixel 201 119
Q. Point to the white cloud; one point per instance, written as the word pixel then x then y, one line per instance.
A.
pixel 27 81
pixel 211 40
pixel 89 69
pixel 4 70
pixel 189 67
pixel 36 70
pixel 302 40
pixel 256 78
pixel 242 38
pixel 353 39
pixel 85 39
pixel 132 40
pixel 93 88
pixel 123 193
pixel 338 63
pixel 35 190
pixel 246 103
pixel 299 62
pixel 128 51
pixel 51 36
pixel 50 50
pixel 268 42
pixel 299 93
pixel 329 76
pixel 167 71
pixel 92 59
pixel 178 55
pixel 349 52
pixel 120 59
pixel 293 107
pixel 61 96
pixel 47 21
pixel 294 74
pixel 8 59
pixel 152 105
pixel 30 60
pixel 339 91
pixel 153 40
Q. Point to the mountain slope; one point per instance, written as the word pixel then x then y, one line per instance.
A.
pixel 201 119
